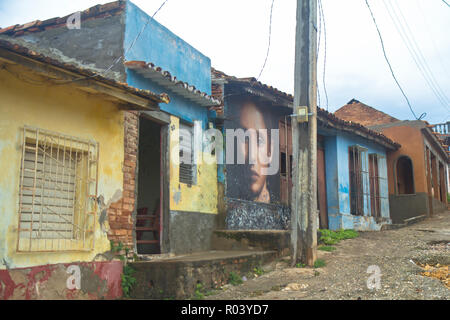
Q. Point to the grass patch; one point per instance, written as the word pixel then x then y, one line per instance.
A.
pixel 329 237
pixel 127 280
pixel 300 265
pixel 258 271
pixel 327 248
pixel 234 279
pixel 198 293
pixel 319 263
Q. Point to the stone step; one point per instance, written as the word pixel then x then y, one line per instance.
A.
pixel 177 277
pixel 413 220
pixel 265 240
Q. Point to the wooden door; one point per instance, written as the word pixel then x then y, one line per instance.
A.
pixel 321 185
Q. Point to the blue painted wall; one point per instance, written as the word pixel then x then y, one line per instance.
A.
pixel 338 183
pixel 160 46
pixel 178 106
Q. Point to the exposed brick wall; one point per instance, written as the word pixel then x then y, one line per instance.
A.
pixel 358 112
pixel 217 93
pixel 120 212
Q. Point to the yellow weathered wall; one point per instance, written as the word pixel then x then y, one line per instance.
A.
pixel 63 109
pixel 201 197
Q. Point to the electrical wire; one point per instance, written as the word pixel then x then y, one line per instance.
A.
pixel 415 52
pixel 319 31
pixel 325 51
pixel 390 67
pixel 126 51
pixel 446 3
pixel 268 46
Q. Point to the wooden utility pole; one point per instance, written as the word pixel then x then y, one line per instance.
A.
pixel 304 138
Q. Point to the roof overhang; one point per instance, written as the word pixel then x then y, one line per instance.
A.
pixel 435 141
pixel 166 80
pixel 58 73
pixel 328 121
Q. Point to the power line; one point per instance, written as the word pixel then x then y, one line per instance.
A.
pixel 390 67
pixel 319 31
pixel 417 55
pixel 325 50
pixel 446 3
pixel 137 37
pixel 268 46
pixel 122 56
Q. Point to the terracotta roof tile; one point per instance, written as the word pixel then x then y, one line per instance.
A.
pixel 164 78
pixel 97 11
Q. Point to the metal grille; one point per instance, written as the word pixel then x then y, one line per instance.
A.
pixel 187 168
pixel 359 180
pixel 58 188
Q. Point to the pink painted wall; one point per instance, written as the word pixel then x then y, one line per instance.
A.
pixel 97 280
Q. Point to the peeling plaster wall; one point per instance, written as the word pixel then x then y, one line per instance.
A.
pixel 62 109
pixel 97 280
pixel 338 184
pixel 96 45
pixel 201 197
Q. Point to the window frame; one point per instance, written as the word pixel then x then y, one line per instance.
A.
pixel 79 152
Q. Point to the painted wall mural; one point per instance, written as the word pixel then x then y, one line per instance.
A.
pixel 253 165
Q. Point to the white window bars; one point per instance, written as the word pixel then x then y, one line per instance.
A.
pixel 58 192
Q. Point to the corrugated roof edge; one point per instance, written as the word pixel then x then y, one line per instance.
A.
pixel 21 50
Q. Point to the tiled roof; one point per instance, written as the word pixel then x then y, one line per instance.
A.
pixel 165 79
pixel 355 127
pixel 217 75
pixel 98 11
pixel 84 73
pixel 357 111
pixel 326 118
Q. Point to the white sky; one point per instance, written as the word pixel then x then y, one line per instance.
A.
pixel 234 34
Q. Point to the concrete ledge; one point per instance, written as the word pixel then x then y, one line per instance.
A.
pixel 413 220
pixel 272 240
pixel 177 277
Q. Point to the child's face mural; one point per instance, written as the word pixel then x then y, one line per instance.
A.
pixel 251 117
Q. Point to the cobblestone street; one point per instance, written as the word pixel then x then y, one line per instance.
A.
pixel 396 252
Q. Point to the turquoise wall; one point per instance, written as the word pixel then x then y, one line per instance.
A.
pixel 160 46
pixel 338 183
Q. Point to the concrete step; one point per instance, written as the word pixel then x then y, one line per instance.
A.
pixel 262 240
pixel 177 277
pixel 413 220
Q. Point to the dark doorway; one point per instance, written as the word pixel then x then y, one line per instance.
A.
pixel 321 185
pixel 375 203
pixel 442 191
pixel 405 177
pixel 355 155
pixel 148 218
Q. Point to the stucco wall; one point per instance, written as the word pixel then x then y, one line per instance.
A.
pixel 74 281
pixel 338 184
pixel 66 110
pixel 412 143
pixel 200 197
pixel 160 46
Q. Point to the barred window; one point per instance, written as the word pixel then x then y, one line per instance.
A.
pixel 359 190
pixel 188 170
pixel 58 187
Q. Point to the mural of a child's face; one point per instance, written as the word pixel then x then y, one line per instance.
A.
pixel 252 118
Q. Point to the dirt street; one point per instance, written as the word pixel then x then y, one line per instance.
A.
pixel 396 253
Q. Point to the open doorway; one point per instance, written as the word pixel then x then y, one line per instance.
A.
pixel 148 218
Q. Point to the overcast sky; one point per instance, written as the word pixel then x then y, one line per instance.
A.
pixel 234 34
